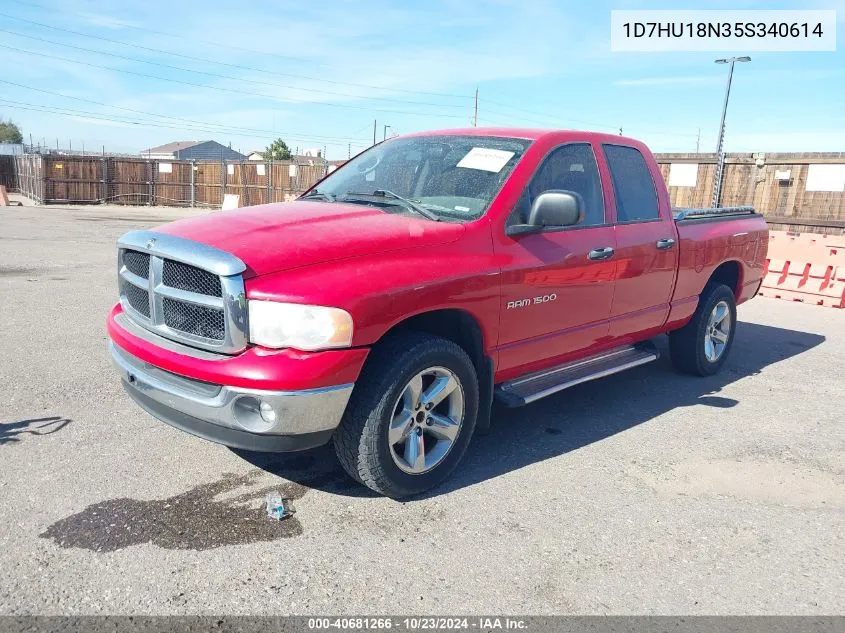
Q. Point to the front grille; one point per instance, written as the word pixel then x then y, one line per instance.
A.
pixel 193 319
pixel 184 302
pixel 184 277
pixel 137 263
pixel 138 298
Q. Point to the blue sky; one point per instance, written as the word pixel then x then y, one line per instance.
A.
pixel 318 74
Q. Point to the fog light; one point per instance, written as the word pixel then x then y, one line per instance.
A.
pixel 267 412
pixel 254 415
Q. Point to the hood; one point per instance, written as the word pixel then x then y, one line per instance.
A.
pixel 275 237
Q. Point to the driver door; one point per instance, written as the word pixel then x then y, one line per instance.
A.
pixel 557 285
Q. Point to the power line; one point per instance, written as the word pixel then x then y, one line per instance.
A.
pixel 229 90
pixel 549 117
pixel 70 112
pixel 175 118
pixel 211 61
pixel 540 114
pixel 297 76
pixel 230 77
pixel 587 123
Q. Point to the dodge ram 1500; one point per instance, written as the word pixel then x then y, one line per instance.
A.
pixel 387 307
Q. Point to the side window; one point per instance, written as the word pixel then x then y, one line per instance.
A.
pixel 571 168
pixel 636 198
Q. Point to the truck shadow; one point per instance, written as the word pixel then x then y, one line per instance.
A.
pixel 587 413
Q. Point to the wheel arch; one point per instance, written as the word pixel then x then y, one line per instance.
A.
pixel 729 273
pixel 464 329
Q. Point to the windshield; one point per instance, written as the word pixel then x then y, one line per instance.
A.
pixel 438 177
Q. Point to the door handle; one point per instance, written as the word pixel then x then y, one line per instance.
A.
pixel 665 243
pixel 601 253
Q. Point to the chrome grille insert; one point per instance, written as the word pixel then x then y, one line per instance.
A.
pixel 137 263
pixel 138 298
pixel 201 305
pixel 184 277
pixel 194 319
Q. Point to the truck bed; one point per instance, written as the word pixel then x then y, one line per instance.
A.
pixel 709 238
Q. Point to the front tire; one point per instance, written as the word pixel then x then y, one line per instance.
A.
pixel 702 346
pixel 411 415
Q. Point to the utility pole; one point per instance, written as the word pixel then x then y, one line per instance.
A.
pixel 349 151
pixel 720 155
pixel 475 110
pixel 375 125
pixel 698 141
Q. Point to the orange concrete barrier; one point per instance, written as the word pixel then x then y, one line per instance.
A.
pixel 805 267
pixel 4 197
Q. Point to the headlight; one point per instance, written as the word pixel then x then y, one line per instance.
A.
pixel 308 328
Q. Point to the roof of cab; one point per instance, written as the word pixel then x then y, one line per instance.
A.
pixel 533 134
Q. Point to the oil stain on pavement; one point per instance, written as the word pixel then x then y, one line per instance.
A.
pixel 194 519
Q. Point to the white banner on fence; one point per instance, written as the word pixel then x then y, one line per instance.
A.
pixel 259 169
pixel 230 201
pixel 165 168
pixel 825 178
pixel 230 169
pixel 292 170
pixel 683 174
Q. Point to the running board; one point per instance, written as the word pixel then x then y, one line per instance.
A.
pixel 544 383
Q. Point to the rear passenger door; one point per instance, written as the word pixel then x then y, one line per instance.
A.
pixel 646 253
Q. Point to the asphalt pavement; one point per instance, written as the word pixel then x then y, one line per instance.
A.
pixel 646 492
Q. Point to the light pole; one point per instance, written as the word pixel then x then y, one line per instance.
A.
pixel 720 156
pixel 384 138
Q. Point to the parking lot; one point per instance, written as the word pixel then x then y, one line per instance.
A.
pixel 646 492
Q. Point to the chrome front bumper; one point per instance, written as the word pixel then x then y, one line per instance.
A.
pixel 252 419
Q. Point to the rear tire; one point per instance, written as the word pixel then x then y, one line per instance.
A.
pixel 702 346
pixel 388 410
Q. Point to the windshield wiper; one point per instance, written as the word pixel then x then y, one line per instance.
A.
pixel 410 204
pixel 318 194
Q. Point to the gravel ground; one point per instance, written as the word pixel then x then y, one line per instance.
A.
pixel 646 492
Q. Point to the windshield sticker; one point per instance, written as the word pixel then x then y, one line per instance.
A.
pixel 486 159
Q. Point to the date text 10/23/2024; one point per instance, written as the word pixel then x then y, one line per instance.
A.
pixel 419 623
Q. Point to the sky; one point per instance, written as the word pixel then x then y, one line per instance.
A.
pixel 132 75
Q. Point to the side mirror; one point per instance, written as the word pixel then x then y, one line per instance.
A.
pixel 552 209
pixel 557 208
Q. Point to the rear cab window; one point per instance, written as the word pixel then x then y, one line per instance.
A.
pixel 633 185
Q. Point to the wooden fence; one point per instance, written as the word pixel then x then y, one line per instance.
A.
pixel 775 184
pixel 50 179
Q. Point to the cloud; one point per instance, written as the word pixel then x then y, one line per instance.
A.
pixel 107 21
pixel 669 81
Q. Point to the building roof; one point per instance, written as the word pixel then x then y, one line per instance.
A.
pixel 175 146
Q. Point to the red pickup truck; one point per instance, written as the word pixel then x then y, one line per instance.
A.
pixel 387 307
